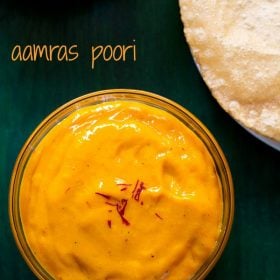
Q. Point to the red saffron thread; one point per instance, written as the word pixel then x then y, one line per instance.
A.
pixel 109 222
pixel 158 216
pixel 104 195
pixel 139 187
pixel 121 205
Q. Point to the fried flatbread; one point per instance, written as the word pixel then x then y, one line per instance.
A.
pixel 236 45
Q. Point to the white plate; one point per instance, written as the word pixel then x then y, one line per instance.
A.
pixel 272 143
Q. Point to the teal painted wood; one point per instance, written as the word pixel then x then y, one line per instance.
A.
pixel 29 91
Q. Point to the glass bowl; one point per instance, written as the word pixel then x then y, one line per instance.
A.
pixel 222 168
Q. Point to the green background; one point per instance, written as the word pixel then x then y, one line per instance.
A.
pixel 29 91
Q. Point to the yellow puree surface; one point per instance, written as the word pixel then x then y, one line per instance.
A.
pixel 121 191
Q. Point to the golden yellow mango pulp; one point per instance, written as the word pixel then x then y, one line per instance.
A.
pixel 121 191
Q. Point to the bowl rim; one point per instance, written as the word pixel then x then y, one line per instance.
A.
pixel 217 252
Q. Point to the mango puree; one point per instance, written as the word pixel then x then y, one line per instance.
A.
pixel 121 191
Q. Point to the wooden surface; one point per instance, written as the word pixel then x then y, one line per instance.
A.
pixel 30 90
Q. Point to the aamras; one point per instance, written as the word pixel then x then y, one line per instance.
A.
pixel 117 185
